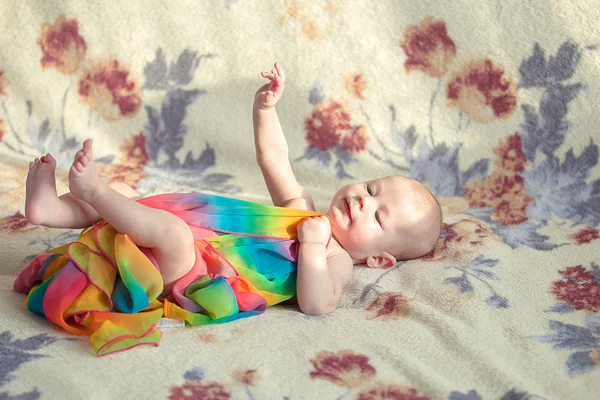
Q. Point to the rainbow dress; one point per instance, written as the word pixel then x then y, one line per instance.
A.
pixel 104 286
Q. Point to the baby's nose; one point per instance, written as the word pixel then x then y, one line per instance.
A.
pixel 363 201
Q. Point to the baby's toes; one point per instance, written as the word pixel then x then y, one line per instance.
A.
pixel 84 160
pixel 49 159
pixel 77 167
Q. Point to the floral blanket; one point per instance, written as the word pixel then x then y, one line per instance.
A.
pixel 494 107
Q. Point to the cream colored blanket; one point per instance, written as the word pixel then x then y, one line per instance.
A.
pixel 494 104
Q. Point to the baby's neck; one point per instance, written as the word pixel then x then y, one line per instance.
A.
pixel 334 245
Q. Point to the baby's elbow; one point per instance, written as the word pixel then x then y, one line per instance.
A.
pixel 316 309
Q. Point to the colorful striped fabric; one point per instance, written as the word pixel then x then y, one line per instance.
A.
pixel 105 286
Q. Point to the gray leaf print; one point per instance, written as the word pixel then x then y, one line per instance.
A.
pixel 462 282
pixel 194 374
pixel 154 131
pixel 309 154
pixel 37 134
pixel 580 362
pixel 439 167
pixel 545 132
pixel 345 157
pixel 216 179
pixel 524 233
pixel 341 171
pixel 166 132
pixel 204 161
pixel 51 242
pixel 323 159
pixel 182 72
pixel 536 72
pixel 561 308
pixel 405 141
pixel 562 66
pixel 477 170
pixel 514 395
pixel 472 395
pixel 316 94
pixel 173 113
pixel 216 183
pixel 553 108
pixel 593 322
pixel 34 342
pixel 13 353
pixel 105 160
pixel 532 132
pixel 155 73
pixel 60 150
pixel 573 337
pixel 478 270
pixel 33 395
pixel 533 70
pixel 562 189
pixel 497 301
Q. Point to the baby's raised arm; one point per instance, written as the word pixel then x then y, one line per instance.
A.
pixel 322 272
pixel 272 152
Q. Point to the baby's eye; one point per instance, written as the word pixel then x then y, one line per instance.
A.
pixel 378 217
pixel 369 189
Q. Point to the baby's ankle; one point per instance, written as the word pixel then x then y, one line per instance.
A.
pixel 96 192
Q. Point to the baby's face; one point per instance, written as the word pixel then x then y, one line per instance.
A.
pixel 371 217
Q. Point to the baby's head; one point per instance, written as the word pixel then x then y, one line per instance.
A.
pixel 388 219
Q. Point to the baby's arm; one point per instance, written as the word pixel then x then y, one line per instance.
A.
pixel 322 273
pixel 321 276
pixel 271 146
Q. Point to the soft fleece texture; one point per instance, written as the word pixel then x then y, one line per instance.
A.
pixel 493 104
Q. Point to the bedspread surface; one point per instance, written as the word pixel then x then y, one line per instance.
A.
pixel 493 105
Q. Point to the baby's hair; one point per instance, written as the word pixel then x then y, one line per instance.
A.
pixel 429 224
pixel 439 215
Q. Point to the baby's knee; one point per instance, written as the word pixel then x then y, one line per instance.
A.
pixel 178 237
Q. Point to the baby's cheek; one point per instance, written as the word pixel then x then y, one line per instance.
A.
pixel 361 240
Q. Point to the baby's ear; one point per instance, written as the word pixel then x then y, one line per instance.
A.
pixel 383 260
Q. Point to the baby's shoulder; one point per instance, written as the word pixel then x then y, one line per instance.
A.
pixel 338 259
pixel 301 203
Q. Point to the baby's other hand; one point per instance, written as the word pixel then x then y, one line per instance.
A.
pixel 315 230
pixel 269 94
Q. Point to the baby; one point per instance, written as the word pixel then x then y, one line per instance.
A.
pixel 374 223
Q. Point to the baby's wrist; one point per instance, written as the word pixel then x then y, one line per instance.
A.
pixel 260 107
pixel 311 242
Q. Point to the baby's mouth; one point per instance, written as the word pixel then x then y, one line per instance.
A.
pixel 348 209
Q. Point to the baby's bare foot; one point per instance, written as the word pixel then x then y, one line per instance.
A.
pixel 40 191
pixel 84 181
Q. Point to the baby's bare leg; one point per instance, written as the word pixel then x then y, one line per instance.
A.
pixel 170 238
pixel 44 207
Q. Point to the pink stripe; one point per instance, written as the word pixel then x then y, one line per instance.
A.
pixel 126 336
pixel 240 233
pixel 29 276
pixel 62 291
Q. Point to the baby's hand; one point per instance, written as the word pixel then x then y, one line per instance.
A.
pixel 268 95
pixel 314 230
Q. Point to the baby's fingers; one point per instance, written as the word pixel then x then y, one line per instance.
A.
pixel 279 71
pixel 268 75
pixel 268 95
